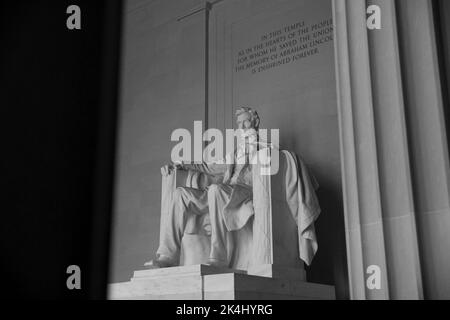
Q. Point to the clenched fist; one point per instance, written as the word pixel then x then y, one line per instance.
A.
pixel 169 168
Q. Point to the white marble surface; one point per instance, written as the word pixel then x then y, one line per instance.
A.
pixel 203 282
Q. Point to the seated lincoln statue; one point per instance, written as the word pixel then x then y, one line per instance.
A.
pixel 234 216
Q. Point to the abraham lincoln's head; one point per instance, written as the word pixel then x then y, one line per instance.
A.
pixel 247 118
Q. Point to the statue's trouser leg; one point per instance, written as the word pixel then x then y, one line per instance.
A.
pixel 186 201
pixel 218 196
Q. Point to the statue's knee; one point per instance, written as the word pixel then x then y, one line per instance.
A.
pixel 178 193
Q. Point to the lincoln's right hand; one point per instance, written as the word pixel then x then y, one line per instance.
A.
pixel 169 168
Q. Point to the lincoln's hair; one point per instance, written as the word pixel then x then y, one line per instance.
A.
pixel 254 118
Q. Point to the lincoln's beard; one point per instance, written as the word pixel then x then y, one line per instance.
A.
pixel 248 133
pixel 247 142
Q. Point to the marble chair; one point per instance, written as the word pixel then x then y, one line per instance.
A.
pixel 268 245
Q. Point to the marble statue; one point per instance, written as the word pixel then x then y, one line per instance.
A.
pixel 226 205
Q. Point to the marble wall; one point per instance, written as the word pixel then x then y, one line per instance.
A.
pixel 163 88
pixel 384 129
pixel 278 56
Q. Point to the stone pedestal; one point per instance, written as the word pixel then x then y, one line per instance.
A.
pixel 202 282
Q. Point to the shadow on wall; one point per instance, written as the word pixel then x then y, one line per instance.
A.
pixel 330 263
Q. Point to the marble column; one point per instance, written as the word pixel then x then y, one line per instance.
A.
pixel 428 142
pixel 385 78
pixel 443 9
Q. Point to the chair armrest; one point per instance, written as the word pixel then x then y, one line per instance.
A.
pixel 268 199
pixel 179 178
pixel 262 206
pixel 268 187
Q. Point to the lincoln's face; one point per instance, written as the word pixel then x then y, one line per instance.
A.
pixel 244 121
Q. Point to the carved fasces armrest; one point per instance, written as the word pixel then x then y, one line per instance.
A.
pixel 268 192
pixel 268 186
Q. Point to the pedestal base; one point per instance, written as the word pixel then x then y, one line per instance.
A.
pixel 201 282
pixel 272 271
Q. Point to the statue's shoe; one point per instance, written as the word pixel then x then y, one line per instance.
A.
pixel 160 262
